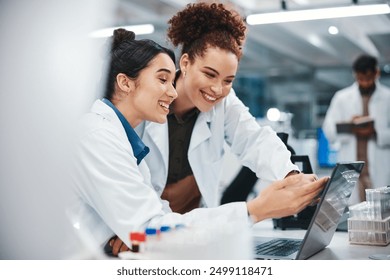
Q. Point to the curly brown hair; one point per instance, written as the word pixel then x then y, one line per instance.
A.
pixel 202 25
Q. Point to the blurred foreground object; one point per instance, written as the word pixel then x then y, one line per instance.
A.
pixel 46 81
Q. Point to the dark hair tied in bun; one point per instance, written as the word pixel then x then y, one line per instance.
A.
pixel 121 35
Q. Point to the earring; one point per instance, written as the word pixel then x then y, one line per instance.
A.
pixel 184 73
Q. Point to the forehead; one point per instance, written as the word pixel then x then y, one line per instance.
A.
pixel 218 59
pixel 161 61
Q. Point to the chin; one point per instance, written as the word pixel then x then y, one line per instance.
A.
pixel 205 107
pixel 160 120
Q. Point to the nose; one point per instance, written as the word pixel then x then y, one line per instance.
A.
pixel 217 89
pixel 172 93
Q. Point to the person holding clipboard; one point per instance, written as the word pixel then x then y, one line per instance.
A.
pixel 358 119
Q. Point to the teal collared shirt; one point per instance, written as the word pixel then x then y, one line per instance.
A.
pixel 140 150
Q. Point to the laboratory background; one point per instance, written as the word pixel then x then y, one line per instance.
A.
pixel 49 74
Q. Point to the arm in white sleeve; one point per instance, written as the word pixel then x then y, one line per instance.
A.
pixel 258 148
pixel 382 119
pixel 111 183
pixel 332 117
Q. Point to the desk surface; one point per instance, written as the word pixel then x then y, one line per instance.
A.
pixel 338 249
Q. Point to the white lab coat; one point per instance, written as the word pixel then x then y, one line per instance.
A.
pixel 258 148
pixel 114 195
pixel 347 103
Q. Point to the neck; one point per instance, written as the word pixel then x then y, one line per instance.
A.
pixel 123 107
pixel 182 104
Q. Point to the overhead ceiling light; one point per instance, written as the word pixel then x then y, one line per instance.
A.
pixel 313 14
pixel 333 30
pixel 137 29
pixel 273 114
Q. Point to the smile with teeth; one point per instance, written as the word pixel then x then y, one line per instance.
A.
pixel 164 105
pixel 208 97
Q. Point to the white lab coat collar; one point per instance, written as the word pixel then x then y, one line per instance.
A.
pixel 100 108
pixel 158 134
pixel 201 130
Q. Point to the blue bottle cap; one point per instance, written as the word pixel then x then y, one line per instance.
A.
pixel 150 231
pixel 165 228
pixel 179 226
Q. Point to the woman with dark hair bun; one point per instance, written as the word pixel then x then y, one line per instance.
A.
pixel 109 173
pixel 207 114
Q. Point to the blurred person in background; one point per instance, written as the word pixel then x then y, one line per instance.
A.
pixel 366 99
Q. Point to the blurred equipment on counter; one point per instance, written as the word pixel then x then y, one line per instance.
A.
pixel 303 218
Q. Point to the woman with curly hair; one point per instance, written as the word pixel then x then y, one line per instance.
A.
pixel 207 114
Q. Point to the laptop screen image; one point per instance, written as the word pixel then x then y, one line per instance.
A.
pixel 334 200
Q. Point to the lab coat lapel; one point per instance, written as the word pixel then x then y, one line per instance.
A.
pixel 158 134
pixel 201 130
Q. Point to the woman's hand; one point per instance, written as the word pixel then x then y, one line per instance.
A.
pixel 116 245
pixel 286 197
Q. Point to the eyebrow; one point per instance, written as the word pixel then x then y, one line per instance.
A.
pixel 164 70
pixel 216 72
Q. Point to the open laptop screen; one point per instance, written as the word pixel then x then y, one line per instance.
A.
pixel 331 208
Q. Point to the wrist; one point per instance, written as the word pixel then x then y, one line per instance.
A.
pixel 254 212
pixel 292 172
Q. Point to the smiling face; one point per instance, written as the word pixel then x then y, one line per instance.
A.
pixel 205 82
pixel 152 92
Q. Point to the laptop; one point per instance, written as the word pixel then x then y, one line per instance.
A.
pixel 330 209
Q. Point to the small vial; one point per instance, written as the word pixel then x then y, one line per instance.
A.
pixel 137 239
pixel 164 229
pixel 165 232
pixel 152 236
pixel 179 226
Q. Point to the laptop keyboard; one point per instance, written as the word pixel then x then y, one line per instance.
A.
pixel 278 247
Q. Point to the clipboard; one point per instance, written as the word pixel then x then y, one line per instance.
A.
pixel 348 127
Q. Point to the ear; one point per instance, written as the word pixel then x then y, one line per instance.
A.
pixel 184 62
pixel 124 83
pixel 378 73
